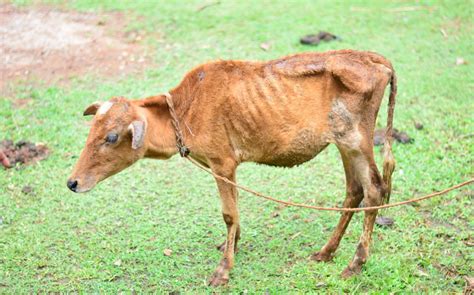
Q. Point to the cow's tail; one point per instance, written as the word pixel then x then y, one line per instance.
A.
pixel 388 159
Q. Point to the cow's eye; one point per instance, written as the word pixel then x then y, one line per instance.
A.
pixel 111 138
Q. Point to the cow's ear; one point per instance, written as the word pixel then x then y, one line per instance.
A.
pixel 92 109
pixel 138 129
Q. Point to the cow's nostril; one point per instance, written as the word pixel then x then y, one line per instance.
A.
pixel 72 185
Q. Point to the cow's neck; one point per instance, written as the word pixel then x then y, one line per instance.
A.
pixel 182 97
pixel 160 138
pixel 161 135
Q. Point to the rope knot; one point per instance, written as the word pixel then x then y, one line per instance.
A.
pixel 184 151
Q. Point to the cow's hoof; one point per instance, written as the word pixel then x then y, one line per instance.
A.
pixel 351 271
pixel 321 257
pixel 219 278
pixel 221 275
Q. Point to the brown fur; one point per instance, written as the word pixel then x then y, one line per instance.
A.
pixel 282 113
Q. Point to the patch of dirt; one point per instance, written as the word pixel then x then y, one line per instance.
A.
pixel 22 152
pixel 51 45
pixel 418 125
pixel 315 39
pixel 27 189
pixel 21 103
pixel 384 221
pixel 400 136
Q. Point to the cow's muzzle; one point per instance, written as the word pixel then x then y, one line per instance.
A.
pixel 72 185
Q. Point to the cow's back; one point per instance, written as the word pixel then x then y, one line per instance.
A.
pixel 277 112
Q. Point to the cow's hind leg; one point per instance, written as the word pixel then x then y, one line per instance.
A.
pixel 372 184
pixel 354 195
pixel 352 129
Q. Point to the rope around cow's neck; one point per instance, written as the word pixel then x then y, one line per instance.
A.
pixel 184 152
pixel 182 148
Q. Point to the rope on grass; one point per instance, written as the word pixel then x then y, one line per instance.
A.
pixel 289 203
pixel 184 152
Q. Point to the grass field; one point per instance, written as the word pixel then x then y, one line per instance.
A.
pixel 112 239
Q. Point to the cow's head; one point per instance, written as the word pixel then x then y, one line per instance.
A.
pixel 115 141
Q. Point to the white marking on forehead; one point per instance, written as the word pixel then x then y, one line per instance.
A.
pixel 104 108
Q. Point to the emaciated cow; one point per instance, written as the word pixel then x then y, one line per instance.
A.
pixel 281 113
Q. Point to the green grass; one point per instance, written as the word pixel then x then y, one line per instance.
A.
pixel 56 241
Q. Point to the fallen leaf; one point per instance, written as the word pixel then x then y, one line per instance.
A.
pixel 445 35
pixel 295 235
pixel 422 273
pixel 460 61
pixel 167 252
pixel 469 243
pixel 265 46
pixel 320 284
pixel 118 262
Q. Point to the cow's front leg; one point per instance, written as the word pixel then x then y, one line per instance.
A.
pixel 228 194
pixel 221 247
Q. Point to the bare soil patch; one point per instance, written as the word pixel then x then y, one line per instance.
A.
pixel 22 152
pixel 400 136
pixel 51 45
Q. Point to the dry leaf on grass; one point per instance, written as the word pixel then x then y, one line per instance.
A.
pixel 265 46
pixel 460 61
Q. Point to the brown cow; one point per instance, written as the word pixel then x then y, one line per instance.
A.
pixel 281 113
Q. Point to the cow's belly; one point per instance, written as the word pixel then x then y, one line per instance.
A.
pixel 294 149
pixel 292 158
